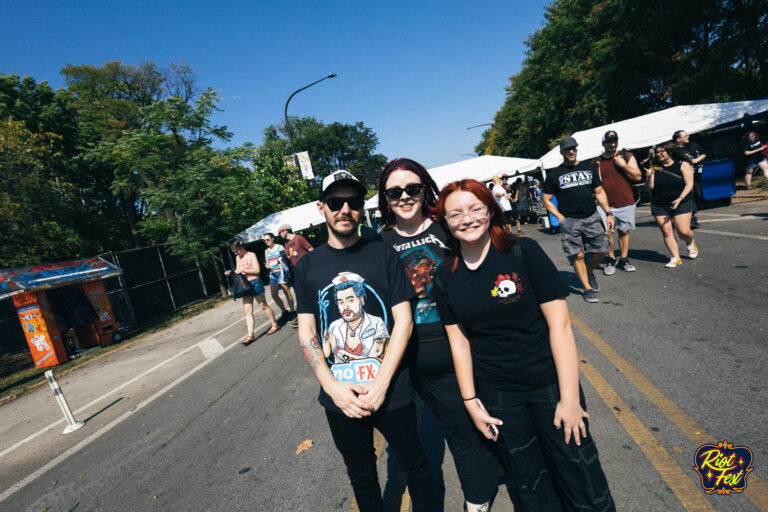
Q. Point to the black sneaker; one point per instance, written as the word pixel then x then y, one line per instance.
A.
pixel 625 265
pixel 610 266
pixel 284 316
pixel 591 296
pixel 592 280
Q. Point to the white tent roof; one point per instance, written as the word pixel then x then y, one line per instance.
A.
pixel 650 129
pixel 481 168
pixel 299 217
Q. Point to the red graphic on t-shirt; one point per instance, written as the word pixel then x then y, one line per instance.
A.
pixel 508 288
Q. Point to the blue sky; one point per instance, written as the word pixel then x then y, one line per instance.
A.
pixel 417 73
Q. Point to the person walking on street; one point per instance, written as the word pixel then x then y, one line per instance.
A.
pixel 408 206
pixel 504 307
pixel 248 265
pixel 296 246
pixel 577 186
pixel 754 157
pixel 671 202
pixel 502 198
pixel 354 324
pixel 618 170
pixel 278 276
pixel 696 156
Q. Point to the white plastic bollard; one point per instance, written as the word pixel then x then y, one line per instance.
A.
pixel 72 424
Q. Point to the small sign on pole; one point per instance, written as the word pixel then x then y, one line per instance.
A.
pixel 304 164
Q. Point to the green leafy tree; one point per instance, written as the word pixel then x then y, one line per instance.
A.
pixel 36 205
pixel 331 146
pixel 593 62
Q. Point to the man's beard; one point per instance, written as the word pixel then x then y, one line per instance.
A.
pixel 351 232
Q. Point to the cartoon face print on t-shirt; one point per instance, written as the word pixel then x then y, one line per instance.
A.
pixel 359 330
pixel 508 288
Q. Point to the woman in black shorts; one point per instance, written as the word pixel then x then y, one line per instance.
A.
pixel 503 305
pixel 408 206
pixel 670 182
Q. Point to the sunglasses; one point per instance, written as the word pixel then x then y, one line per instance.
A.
pixel 337 203
pixel 397 192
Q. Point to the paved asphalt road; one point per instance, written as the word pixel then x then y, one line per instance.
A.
pixel 670 359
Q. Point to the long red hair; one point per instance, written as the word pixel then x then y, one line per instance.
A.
pixel 499 238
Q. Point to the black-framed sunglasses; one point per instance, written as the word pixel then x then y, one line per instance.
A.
pixel 337 203
pixel 397 192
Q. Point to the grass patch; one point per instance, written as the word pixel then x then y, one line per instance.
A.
pixel 19 375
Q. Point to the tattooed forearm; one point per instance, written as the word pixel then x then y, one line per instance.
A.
pixel 312 352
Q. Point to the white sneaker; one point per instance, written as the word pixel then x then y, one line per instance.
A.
pixel 693 251
pixel 673 262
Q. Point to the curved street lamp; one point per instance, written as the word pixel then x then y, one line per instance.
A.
pixel 479 125
pixel 288 125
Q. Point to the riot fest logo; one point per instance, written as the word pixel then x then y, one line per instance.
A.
pixel 723 468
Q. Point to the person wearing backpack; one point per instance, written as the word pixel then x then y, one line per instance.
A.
pixel 618 170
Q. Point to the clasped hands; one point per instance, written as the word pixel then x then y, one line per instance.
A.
pixel 357 400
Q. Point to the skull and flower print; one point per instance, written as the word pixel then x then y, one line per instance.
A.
pixel 355 342
pixel 508 288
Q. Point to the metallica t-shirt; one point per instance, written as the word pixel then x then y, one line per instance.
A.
pixel 351 292
pixel 574 189
pixel 421 255
pixel 497 306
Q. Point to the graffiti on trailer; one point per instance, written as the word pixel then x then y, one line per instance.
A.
pixel 36 277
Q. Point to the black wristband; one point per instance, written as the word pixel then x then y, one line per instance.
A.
pixel 468 399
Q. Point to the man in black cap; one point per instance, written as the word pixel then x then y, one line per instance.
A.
pixel 354 325
pixel 618 170
pixel 577 185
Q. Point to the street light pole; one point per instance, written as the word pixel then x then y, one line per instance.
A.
pixel 288 124
pixel 478 125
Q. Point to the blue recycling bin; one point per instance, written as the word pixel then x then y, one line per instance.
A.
pixel 718 180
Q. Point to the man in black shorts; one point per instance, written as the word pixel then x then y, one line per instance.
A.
pixel 354 325
pixel 577 185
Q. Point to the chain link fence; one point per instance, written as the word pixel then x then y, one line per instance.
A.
pixel 154 283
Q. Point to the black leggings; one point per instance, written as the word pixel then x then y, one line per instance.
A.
pixel 354 439
pixel 474 456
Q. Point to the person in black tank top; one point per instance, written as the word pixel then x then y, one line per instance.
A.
pixel 670 181
pixel 408 203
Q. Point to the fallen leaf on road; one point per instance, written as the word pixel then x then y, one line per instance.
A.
pixel 306 445
pixel 81 476
pixel 244 471
pixel 46 509
pixel 275 356
pixel 678 450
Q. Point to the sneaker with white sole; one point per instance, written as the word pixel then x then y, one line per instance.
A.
pixel 693 251
pixel 625 265
pixel 591 296
pixel 673 262
pixel 610 266
pixel 592 280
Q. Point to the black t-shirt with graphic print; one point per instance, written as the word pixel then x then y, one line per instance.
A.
pixel 574 186
pixel 497 306
pixel 421 255
pixel 755 157
pixel 351 293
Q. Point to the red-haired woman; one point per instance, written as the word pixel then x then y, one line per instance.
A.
pixel 503 305
pixel 408 206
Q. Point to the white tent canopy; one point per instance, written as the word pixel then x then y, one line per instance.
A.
pixel 481 168
pixel 650 129
pixel 299 217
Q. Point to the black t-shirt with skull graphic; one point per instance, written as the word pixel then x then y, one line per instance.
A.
pixel 497 306
pixel 351 292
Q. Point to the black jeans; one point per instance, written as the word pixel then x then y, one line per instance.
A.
pixel 354 439
pixel 546 473
pixel 698 192
pixel 474 455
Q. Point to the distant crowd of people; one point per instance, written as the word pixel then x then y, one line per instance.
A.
pixel 449 302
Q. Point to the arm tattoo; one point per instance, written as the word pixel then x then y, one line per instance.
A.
pixel 312 352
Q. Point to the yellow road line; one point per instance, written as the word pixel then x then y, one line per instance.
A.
pixel 690 496
pixel 756 490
